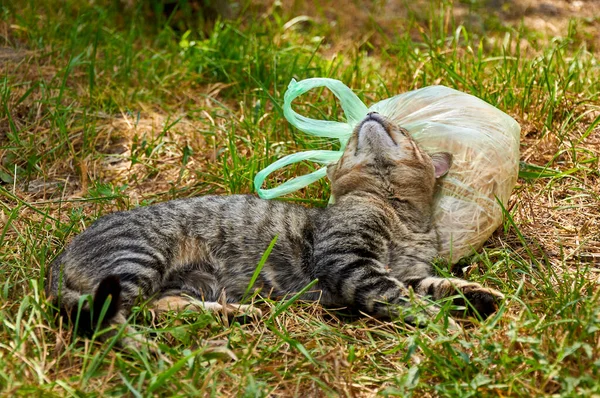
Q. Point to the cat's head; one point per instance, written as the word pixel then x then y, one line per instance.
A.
pixel 382 158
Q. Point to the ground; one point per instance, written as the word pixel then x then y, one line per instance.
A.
pixel 107 105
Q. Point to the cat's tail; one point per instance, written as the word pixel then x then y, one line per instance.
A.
pixel 85 318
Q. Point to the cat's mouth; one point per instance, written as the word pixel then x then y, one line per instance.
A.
pixel 374 132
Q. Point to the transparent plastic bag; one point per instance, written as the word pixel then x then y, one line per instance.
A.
pixel 483 140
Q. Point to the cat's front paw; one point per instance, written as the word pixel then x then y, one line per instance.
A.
pixel 480 300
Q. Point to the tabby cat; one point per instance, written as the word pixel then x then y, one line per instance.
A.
pixel 366 250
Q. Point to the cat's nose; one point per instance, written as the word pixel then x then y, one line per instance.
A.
pixel 374 116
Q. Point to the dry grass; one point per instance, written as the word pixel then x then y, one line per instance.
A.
pixel 87 129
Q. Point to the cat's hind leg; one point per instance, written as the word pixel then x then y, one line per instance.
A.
pixel 196 287
pixel 184 302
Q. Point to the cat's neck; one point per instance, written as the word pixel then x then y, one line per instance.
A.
pixel 412 210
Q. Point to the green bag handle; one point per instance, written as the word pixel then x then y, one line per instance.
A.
pixel 354 110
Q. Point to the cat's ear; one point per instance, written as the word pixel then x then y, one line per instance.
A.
pixel 442 162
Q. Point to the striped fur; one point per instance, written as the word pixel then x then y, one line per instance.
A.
pixel 367 250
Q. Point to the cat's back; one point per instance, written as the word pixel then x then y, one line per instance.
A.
pixel 155 231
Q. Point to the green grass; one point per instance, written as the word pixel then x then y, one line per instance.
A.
pixel 105 107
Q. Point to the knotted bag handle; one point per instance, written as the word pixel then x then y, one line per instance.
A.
pixel 354 110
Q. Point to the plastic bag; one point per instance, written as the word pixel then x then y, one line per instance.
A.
pixel 483 140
